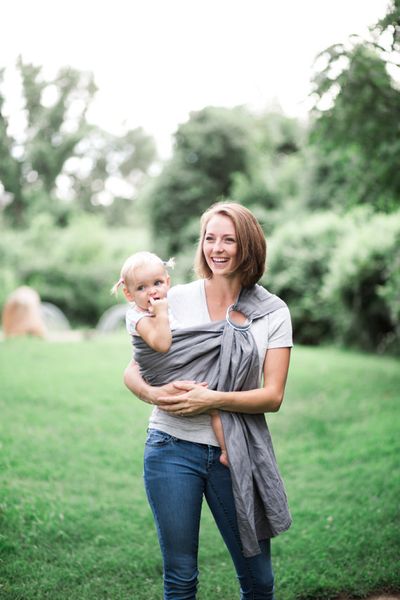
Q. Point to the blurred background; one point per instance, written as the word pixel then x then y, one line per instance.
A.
pixel 121 123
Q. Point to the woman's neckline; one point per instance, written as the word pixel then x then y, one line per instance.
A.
pixel 206 305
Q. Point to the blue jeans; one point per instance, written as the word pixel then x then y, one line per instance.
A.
pixel 177 474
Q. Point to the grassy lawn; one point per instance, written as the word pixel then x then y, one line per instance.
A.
pixel 74 518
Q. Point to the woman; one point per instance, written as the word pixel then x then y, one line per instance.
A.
pixel 182 455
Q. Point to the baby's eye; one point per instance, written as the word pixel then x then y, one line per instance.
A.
pixel 158 282
pixel 140 288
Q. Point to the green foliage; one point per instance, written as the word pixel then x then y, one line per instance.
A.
pixel 275 178
pixel 362 288
pixel 209 149
pixel 72 267
pixel 50 135
pixel 220 153
pixel 299 254
pixel 357 139
pixel 75 521
pixel 59 163
pixel 390 25
pixel 108 171
pixel 340 278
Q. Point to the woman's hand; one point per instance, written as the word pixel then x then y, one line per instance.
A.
pixel 192 399
pixel 148 393
pixel 173 389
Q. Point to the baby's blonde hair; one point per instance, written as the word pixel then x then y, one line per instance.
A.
pixel 139 259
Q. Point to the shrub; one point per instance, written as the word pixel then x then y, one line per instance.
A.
pixel 299 254
pixel 340 277
pixel 362 288
pixel 72 267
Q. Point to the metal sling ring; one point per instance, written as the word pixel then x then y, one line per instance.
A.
pixel 245 327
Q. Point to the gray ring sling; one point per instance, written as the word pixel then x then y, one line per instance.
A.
pixel 225 355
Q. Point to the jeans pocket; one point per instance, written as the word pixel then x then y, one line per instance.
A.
pixel 157 438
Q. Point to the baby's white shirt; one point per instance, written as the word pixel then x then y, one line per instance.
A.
pixel 134 315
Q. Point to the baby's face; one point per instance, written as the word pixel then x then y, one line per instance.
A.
pixel 148 281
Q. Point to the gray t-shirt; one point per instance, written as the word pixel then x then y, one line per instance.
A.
pixel 189 305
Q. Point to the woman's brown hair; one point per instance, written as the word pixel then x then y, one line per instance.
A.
pixel 252 247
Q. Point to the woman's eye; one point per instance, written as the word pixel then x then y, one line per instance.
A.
pixel 208 238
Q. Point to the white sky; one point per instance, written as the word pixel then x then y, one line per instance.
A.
pixel 156 60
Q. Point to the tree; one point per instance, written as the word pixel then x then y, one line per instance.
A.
pixel 59 163
pixel 222 153
pixel 107 171
pixel 356 139
pixel 274 182
pixel 32 162
pixel 209 149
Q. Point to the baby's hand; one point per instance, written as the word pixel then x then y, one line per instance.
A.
pixel 158 306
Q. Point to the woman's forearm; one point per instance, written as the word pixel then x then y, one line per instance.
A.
pixel 252 401
pixel 137 385
pixel 150 393
pixel 267 398
pixel 195 399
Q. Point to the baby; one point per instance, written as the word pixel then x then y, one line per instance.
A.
pixel 145 282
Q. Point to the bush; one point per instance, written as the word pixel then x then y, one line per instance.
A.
pixel 362 288
pixel 299 254
pixel 73 267
pixel 340 277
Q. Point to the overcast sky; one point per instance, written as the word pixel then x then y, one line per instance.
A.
pixel 156 60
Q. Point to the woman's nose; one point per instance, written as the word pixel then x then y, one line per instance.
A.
pixel 217 246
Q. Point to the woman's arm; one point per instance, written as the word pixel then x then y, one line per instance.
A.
pixel 149 393
pixel 137 385
pixel 268 398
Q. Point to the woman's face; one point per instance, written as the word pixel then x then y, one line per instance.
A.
pixel 220 245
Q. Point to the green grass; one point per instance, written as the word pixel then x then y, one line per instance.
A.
pixel 74 518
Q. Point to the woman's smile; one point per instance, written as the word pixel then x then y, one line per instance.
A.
pixel 219 260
